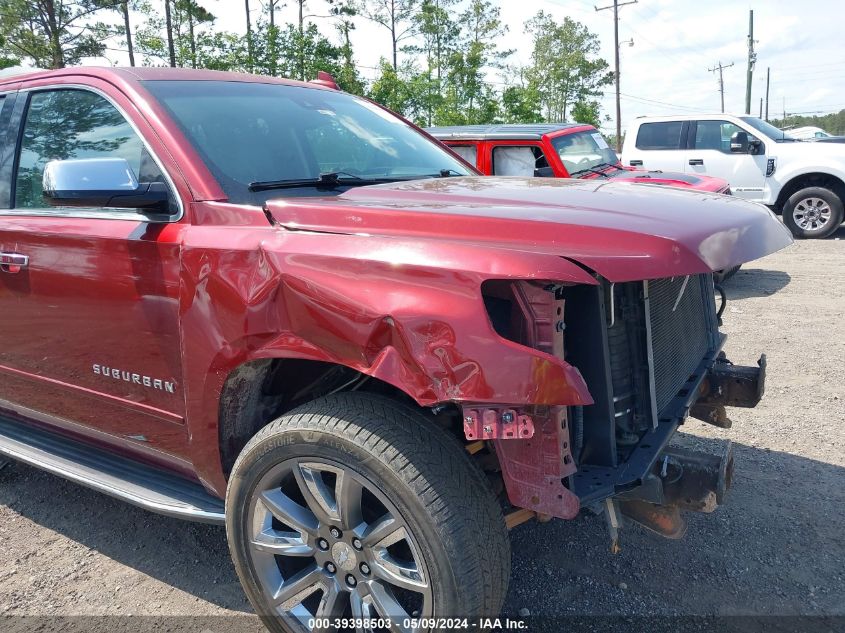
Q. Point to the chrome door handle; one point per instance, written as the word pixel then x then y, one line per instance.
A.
pixel 13 262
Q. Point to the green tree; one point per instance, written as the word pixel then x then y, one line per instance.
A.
pixel 587 112
pixel 306 52
pixel 833 123
pixel 250 54
pixel 468 97
pixel 306 35
pixel 191 13
pixel 168 22
pixel 348 78
pixel 521 104
pixel 438 33
pixel 218 50
pixel 126 29
pixel 405 91
pixel 565 68
pixel 397 17
pixel 272 35
pixel 53 33
pixel 7 60
pixel 193 43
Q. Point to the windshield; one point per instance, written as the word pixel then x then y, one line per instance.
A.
pixel 582 151
pixel 767 129
pixel 255 132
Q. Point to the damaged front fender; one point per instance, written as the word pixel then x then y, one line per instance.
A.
pixel 408 313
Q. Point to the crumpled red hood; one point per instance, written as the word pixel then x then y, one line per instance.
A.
pixel 621 230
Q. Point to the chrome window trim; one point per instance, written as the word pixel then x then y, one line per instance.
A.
pixel 84 213
pixel 94 213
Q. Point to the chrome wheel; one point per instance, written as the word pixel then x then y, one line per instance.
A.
pixel 326 543
pixel 812 214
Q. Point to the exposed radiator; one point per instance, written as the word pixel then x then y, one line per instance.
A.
pixel 682 314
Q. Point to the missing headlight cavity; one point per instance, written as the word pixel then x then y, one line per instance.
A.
pixel 526 312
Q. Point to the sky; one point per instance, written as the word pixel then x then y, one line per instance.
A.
pixel 675 42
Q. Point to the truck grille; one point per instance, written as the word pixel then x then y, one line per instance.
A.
pixel 682 324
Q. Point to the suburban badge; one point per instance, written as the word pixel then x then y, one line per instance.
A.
pixel 136 379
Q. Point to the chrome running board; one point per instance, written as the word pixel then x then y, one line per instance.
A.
pixel 119 477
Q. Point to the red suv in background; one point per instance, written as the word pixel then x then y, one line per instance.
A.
pixel 555 150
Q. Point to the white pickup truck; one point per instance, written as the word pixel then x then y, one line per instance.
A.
pixel 803 181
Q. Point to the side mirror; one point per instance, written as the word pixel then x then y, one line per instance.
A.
pixel 739 143
pixel 755 145
pixel 101 182
pixel 544 172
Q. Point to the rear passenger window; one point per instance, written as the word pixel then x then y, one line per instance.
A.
pixel 518 161
pixel 63 124
pixel 468 152
pixel 660 135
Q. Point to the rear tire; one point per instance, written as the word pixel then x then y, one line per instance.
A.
pixel 813 212
pixel 296 488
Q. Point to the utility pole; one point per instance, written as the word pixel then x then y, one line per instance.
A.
pixel 752 57
pixel 720 68
pixel 615 7
pixel 767 93
pixel 761 107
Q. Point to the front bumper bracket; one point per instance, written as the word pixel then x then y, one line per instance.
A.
pixel 729 385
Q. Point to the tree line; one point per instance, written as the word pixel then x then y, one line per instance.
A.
pixel 443 63
pixel 833 123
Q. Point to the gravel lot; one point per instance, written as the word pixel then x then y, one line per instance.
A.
pixel 775 548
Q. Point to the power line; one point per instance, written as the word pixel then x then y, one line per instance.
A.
pixel 663 103
pixel 689 50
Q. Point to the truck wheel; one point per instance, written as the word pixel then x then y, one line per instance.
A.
pixel 813 212
pixel 356 506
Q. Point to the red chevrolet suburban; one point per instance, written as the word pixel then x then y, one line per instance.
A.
pixel 279 307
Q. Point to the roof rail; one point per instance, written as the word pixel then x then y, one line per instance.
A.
pixel 325 79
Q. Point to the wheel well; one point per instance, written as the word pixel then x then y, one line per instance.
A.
pixel 810 180
pixel 259 391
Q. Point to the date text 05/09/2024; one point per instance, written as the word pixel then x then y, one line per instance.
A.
pixel 437 624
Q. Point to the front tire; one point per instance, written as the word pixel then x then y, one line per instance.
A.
pixel 813 212
pixel 356 506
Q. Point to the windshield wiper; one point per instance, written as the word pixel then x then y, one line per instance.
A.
pixel 324 181
pixel 614 165
pixel 595 171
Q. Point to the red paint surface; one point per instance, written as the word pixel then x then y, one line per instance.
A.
pixel 385 280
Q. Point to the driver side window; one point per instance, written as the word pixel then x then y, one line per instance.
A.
pixel 715 135
pixel 72 123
